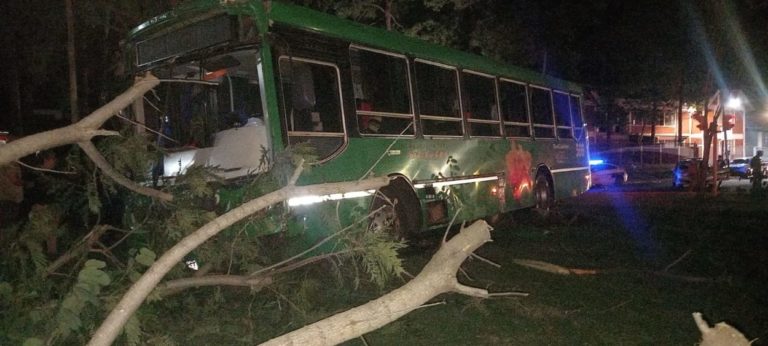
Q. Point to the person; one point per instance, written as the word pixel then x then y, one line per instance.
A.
pixel 756 165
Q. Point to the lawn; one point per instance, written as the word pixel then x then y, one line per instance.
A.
pixel 659 256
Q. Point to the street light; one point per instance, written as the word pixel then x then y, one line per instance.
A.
pixel 733 103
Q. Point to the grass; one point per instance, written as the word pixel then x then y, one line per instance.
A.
pixel 631 237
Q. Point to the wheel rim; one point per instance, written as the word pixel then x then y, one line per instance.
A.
pixel 543 200
pixel 386 219
pixel 396 210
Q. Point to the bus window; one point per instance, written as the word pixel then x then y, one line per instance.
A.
pixel 438 101
pixel 578 122
pixel 514 109
pixel 478 95
pixel 312 106
pixel 562 115
pixel 382 97
pixel 541 109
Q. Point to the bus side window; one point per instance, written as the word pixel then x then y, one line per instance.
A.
pixel 479 101
pixel 298 77
pixel 438 99
pixel 541 109
pixel 514 109
pixel 578 122
pixel 562 114
pixel 382 93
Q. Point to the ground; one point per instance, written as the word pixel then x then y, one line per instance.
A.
pixel 660 255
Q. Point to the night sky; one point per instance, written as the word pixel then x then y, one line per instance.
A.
pixel 641 49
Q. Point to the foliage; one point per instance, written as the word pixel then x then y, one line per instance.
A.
pixel 90 281
pixel 381 259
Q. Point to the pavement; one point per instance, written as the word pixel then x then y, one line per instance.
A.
pixel 652 182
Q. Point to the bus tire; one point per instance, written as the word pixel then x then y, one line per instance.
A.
pixel 543 194
pixel 400 211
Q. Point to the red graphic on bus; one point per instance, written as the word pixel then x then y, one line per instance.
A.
pixel 518 168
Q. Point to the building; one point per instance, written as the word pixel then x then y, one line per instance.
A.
pixel 664 124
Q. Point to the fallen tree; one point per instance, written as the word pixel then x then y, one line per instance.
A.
pixel 110 328
pixel 721 334
pixel 437 277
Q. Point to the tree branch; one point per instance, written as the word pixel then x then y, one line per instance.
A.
pixel 313 247
pixel 179 285
pixel 110 171
pixel 438 276
pixel 114 323
pixel 81 131
pixel 81 247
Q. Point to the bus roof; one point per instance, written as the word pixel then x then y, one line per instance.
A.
pixel 332 26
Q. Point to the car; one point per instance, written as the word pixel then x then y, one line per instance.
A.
pixel 740 168
pixel 681 174
pixel 604 174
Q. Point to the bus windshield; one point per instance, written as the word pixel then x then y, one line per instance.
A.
pixel 207 104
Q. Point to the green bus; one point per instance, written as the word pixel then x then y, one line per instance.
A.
pixel 455 131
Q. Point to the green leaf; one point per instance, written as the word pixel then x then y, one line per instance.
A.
pixel 146 257
pixel 102 278
pixel 33 342
pixel 134 276
pixel 132 331
pixel 96 264
pixel 72 303
pixel 5 290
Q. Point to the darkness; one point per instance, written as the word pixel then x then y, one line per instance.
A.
pixel 641 49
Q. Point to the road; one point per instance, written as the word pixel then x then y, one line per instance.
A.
pixel 640 182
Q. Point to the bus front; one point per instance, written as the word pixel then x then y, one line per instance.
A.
pixel 210 108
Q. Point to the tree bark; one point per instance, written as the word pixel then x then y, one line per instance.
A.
pixel 438 276
pixel 113 324
pixel 81 131
pixel 178 285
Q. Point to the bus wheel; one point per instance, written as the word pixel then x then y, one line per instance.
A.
pixel 396 210
pixel 542 190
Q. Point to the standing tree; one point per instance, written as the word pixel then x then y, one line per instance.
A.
pixel 73 101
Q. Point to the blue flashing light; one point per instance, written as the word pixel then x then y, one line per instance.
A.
pixel 595 162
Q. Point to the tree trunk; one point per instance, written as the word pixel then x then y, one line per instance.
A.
pixel 438 276
pixel 654 120
pixel 14 86
pixel 73 108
